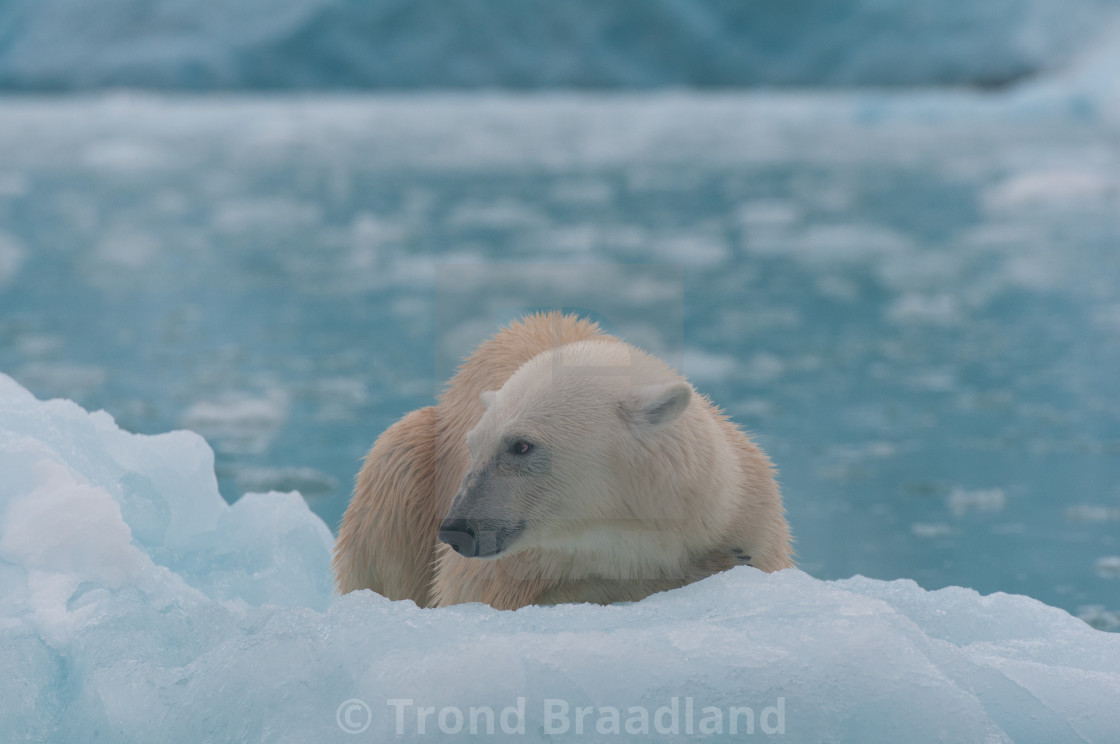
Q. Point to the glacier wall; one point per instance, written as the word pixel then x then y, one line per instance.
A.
pixel 524 44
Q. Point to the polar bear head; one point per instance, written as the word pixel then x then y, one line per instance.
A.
pixel 583 446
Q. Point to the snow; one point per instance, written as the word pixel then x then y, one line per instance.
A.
pixel 138 605
pixel 270 44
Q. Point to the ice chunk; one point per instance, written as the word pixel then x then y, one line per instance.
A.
pixel 1099 617
pixel 1108 567
pixel 242 423
pixel 985 500
pixel 12 254
pixel 137 605
pixel 914 308
pixel 83 496
pixel 704 366
pixel 1092 513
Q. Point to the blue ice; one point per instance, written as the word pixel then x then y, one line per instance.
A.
pixel 140 606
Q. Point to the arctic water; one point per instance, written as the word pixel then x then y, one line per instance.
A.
pixel 912 301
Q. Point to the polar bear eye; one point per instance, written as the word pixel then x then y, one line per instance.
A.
pixel 521 447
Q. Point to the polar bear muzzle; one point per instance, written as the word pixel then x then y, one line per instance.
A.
pixel 478 538
pixel 479 523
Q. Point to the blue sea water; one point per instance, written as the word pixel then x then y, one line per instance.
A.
pixel 911 301
pixel 537 44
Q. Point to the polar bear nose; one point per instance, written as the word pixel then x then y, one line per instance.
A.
pixel 460 536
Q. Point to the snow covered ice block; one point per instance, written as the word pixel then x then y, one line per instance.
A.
pixel 135 605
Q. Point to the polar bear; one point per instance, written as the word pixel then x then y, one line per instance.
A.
pixel 560 465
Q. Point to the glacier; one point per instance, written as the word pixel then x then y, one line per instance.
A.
pixel 138 606
pixel 527 44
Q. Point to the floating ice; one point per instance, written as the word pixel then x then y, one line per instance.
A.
pixel 987 500
pixel 704 366
pixel 243 423
pixel 914 308
pixel 1092 513
pixel 1108 567
pixel 137 606
pixel 11 256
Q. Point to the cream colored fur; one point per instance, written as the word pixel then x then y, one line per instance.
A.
pixel 625 508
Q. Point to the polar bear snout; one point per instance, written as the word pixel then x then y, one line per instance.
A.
pixel 481 522
pixel 460 535
pixel 478 538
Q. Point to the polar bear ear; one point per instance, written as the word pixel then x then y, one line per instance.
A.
pixel 488 397
pixel 655 405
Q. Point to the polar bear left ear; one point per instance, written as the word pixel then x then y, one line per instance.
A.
pixel 654 405
pixel 488 397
